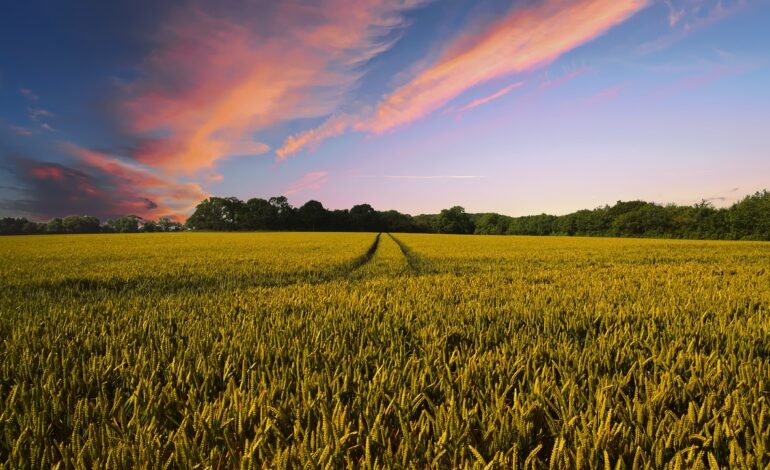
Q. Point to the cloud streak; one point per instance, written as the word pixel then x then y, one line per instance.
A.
pixel 424 177
pixel 21 130
pixel 688 16
pixel 332 127
pixel 482 101
pixel 606 94
pixel 216 80
pixel 28 94
pixel 310 181
pixel 526 38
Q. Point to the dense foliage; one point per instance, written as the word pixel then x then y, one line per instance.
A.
pixel 325 350
pixel 748 219
pixel 86 224
pixel 216 213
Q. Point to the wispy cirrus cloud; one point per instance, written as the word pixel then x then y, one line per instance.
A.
pixel 526 38
pixel 29 94
pixel 603 95
pixel 699 80
pixel 482 101
pixel 310 181
pixel 21 130
pixel 332 127
pixel 36 114
pixel 424 177
pixel 689 16
pixel 215 80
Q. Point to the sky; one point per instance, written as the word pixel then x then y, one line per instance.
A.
pixel 511 106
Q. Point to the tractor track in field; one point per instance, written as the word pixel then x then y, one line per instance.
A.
pixel 171 284
pixel 366 257
pixel 412 260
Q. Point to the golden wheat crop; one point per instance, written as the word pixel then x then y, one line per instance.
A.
pixel 357 350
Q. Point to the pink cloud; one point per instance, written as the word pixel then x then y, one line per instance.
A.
pixel 332 127
pixel 135 189
pixel 214 81
pixel 215 178
pixel 482 101
pixel 310 181
pixel 47 172
pixel 526 38
pixel 604 95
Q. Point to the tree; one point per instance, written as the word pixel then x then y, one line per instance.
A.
pixel 150 226
pixel 454 220
pixel 646 220
pixel 54 225
pixel 167 225
pixel 491 224
pixel 217 213
pixel 542 224
pixel 313 216
pixel 260 215
pixel 80 224
pixel 127 224
pixel 424 223
pixel 284 211
pixel 32 228
pixel 363 218
pixel 394 221
pixel 750 217
pixel 565 225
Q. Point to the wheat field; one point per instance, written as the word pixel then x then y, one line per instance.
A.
pixel 329 350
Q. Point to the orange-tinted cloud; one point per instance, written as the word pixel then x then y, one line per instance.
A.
pixel 332 127
pixel 310 181
pixel 135 189
pixel 526 38
pixel 215 178
pixel 215 80
pixel 482 101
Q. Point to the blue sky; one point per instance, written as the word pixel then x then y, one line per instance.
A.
pixel 508 106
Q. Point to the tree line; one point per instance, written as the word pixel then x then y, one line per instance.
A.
pixel 747 219
pixel 87 224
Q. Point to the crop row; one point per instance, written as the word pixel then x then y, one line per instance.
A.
pixel 464 352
